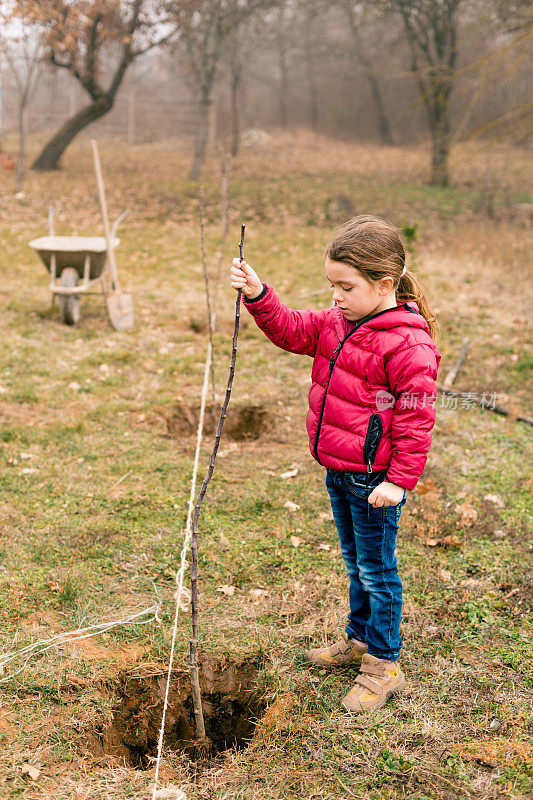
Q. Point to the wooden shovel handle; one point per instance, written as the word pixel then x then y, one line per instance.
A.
pixel 103 207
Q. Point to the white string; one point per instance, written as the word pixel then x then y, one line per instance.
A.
pixel 43 645
pixel 181 572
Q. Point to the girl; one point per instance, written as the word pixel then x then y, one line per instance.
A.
pixel 371 412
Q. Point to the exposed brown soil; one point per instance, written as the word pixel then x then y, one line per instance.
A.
pixel 230 702
pixel 243 421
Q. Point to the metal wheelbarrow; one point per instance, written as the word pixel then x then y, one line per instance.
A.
pixel 77 265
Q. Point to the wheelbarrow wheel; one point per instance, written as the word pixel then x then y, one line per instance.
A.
pixel 69 304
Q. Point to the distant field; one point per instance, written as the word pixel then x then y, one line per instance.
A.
pixel 94 491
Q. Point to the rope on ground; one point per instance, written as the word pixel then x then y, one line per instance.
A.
pixel 41 647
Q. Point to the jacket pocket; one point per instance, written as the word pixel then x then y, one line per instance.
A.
pixel 373 437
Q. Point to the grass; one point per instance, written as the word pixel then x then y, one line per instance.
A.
pixel 82 408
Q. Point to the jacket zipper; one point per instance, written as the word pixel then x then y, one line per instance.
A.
pixel 333 361
pixel 370 448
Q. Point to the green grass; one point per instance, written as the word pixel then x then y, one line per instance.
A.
pixel 86 407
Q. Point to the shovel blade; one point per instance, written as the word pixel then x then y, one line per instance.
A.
pixel 120 310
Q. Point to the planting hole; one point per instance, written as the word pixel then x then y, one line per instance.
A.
pixel 230 704
pixel 243 421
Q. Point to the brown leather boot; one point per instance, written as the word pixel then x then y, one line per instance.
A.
pixel 377 681
pixel 344 653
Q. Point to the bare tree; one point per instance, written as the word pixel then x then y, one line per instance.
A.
pixel 360 13
pixel 431 28
pixel 83 38
pixel 22 50
pixel 205 27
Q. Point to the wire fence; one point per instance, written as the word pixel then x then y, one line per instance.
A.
pixel 141 113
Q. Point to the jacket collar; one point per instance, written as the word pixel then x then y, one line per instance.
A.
pixel 406 313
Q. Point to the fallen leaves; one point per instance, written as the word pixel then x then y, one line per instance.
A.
pixel 467 514
pixel 451 540
pixel 33 772
pixel 429 488
pixel 296 541
pixel 292 507
pixel 292 473
pixel 169 792
pixel 227 590
pixel 496 499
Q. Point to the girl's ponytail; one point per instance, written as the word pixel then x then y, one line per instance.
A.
pixel 375 248
pixel 410 288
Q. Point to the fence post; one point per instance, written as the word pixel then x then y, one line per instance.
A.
pixel 131 115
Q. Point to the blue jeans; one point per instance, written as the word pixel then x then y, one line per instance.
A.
pixel 368 548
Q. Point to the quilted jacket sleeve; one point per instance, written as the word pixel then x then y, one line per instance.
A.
pixel 295 331
pixel 412 374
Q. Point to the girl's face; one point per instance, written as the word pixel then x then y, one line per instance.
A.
pixel 355 296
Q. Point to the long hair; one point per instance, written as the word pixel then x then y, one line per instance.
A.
pixel 374 247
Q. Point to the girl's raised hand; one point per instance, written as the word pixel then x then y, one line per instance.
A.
pixel 245 278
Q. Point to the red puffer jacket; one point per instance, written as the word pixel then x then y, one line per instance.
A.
pixel 373 391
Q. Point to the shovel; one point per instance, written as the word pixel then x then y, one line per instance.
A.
pixel 119 304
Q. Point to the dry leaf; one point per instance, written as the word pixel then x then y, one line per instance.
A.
pixel 324 516
pixel 169 792
pixel 432 542
pixel 229 590
pixel 472 583
pixel 452 540
pixel 467 513
pixel 33 772
pixel 427 487
pixel 296 541
pixel 75 386
pixel 324 546
pixel 492 498
pixel 52 585
pixel 292 473
pixel 445 574
pixel 290 506
pixel 258 592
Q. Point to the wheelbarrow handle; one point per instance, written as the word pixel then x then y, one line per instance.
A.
pixel 117 222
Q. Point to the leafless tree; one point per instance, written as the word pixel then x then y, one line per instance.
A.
pixel 360 14
pixel 84 37
pixel 431 28
pixel 205 27
pixel 22 50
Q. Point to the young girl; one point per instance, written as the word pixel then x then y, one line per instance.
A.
pixel 371 412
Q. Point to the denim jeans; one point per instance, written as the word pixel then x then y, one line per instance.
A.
pixel 368 548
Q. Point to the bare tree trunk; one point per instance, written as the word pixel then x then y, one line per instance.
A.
pixel 440 137
pixel 385 131
pixel 235 116
pixel 284 69
pixel 202 137
pixel 311 84
pixel 22 146
pixel 54 149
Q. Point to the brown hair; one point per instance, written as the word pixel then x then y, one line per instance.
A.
pixel 375 248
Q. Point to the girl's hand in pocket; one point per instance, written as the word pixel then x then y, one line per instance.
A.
pixel 386 494
pixel 245 278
